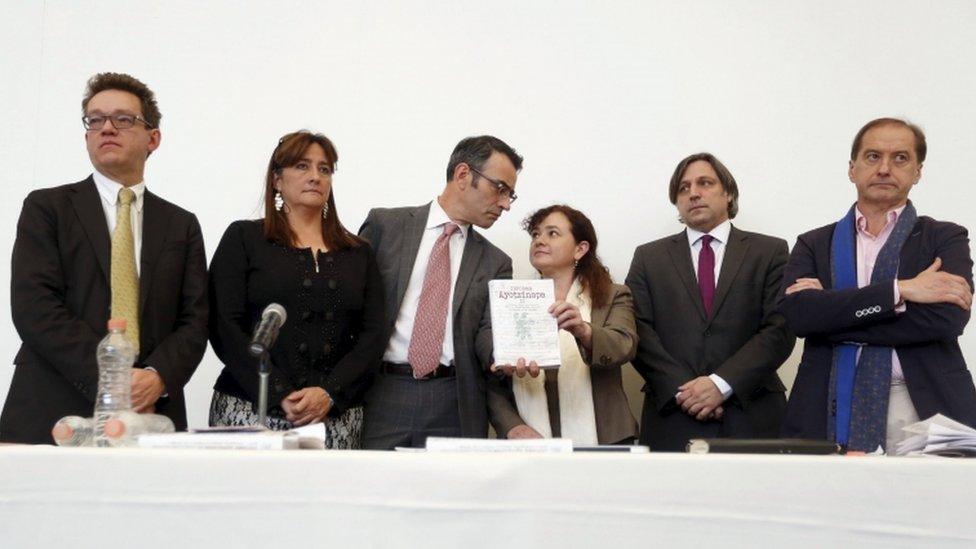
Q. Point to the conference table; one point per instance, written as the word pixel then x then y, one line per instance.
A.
pixel 131 497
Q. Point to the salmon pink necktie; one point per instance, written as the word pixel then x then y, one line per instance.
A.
pixel 427 338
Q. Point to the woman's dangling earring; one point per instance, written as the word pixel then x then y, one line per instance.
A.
pixel 279 202
pixel 576 264
pixel 325 210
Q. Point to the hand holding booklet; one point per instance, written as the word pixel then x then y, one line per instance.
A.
pixel 521 324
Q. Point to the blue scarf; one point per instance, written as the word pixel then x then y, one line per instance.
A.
pixel 857 408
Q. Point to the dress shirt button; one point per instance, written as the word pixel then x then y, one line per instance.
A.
pixel 306 315
pixel 303 348
pixel 333 284
pixel 605 360
pixel 307 283
pixel 328 259
pixel 708 332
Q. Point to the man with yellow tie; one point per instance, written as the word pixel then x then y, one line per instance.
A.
pixel 102 248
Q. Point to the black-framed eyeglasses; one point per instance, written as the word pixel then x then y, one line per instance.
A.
pixel 119 121
pixel 501 187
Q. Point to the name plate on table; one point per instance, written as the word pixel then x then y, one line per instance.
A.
pixel 528 445
pixel 521 325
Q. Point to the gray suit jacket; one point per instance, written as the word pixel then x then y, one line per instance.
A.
pixel 744 341
pixel 395 234
pixel 614 343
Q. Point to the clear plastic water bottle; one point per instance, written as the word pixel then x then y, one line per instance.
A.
pixel 73 431
pixel 115 356
pixel 124 427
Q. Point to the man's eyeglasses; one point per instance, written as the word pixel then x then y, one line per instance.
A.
pixel 501 187
pixel 119 121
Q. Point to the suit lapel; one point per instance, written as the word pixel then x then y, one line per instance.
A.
pixel 909 258
pixel 154 220
pixel 680 254
pixel 470 258
pixel 88 208
pixel 412 234
pixel 598 317
pixel 735 252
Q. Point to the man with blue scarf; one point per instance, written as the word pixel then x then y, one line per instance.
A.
pixel 881 297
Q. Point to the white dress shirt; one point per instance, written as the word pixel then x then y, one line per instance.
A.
pixel 108 191
pixel 399 345
pixel 720 237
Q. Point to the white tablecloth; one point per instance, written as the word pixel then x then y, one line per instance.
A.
pixel 81 497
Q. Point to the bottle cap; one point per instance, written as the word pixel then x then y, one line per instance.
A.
pixel 116 324
pixel 114 428
pixel 62 431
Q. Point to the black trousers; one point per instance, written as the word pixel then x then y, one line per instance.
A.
pixel 670 430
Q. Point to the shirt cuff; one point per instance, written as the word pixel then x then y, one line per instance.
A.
pixel 165 394
pixel 724 387
pixel 900 306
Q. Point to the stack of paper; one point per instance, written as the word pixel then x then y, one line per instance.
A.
pixel 939 436
pixel 240 438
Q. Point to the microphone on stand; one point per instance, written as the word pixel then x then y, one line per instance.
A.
pixel 264 337
pixel 266 333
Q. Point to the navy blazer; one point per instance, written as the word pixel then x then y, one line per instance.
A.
pixel 924 336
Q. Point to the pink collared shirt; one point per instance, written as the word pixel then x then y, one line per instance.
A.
pixel 868 248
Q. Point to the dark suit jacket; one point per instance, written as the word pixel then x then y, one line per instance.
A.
pixel 395 235
pixel 614 344
pixel 60 301
pixel 744 341
pixel 924 336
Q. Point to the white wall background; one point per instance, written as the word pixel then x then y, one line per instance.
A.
pixel 602 98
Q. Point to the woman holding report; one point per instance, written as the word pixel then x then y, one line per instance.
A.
pixel 583 399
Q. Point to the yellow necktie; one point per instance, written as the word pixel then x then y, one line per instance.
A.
pixel 125 281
